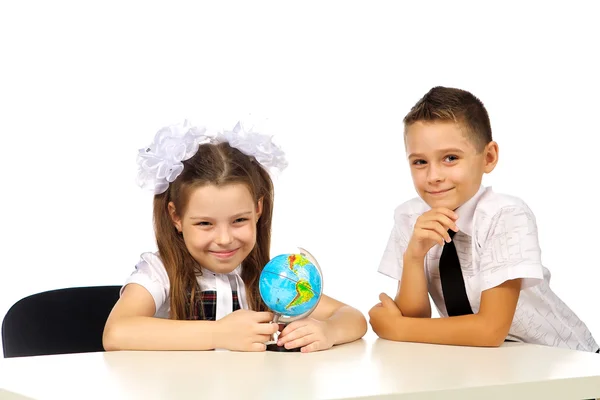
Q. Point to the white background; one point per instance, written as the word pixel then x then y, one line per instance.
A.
pixel 83 85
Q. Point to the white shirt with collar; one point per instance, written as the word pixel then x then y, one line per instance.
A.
pixel 152 275
pixel 497 241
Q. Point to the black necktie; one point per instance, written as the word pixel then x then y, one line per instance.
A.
pixel 453 284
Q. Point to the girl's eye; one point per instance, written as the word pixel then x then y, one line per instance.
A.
pixel 419 162
pixel 203 223
pixel 240 220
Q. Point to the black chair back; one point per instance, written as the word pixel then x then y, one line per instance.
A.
pixel 59 321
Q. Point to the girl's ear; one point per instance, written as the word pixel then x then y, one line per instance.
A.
pixel 174 217
pixel 259 208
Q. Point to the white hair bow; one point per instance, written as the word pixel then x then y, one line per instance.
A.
pixel 160 163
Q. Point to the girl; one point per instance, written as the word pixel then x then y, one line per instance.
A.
pixel 213 206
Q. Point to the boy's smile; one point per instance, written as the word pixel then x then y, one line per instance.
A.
pixel 445 165
pixel 439 192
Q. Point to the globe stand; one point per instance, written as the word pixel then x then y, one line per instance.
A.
pixel 281 349
pixel 273 346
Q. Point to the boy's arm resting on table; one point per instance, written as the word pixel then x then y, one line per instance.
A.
pixel 412 297
pixel 131 326
pixel 488 328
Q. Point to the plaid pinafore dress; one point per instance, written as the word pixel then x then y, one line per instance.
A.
pixel 219 295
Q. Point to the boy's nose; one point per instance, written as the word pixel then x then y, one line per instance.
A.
pixel 434 175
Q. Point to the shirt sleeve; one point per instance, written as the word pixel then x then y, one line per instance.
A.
pixel 150 273
pixel 392 261
pixel 511 249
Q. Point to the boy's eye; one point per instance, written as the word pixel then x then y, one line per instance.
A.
pixel 419 162
pixel 450 158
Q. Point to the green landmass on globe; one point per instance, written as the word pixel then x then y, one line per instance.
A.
pixel 290 284
pixel 303 289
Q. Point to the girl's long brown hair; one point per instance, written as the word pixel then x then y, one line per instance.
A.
pixel 218 165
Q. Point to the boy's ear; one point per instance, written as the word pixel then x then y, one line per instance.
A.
pixel 174 217
pixel 490 154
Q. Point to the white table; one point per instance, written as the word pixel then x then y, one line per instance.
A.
pixel 369 368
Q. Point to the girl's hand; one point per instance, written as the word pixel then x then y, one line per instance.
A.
pixel 245 330
pixel 308 333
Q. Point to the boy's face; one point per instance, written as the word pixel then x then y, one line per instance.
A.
pixel 446 167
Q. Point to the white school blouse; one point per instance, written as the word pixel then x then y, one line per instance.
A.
pixel 497 241
pixel 151 274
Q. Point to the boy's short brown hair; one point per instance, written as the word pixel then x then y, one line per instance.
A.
pixel 457 105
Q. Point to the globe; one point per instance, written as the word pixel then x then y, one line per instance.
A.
pixel 291 285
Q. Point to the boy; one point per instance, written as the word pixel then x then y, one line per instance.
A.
pixel 474 251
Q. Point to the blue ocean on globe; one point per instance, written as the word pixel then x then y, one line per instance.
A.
pixel 290 285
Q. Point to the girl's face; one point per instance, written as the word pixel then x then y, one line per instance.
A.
pixel 219 225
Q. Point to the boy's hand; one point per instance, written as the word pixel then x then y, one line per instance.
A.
pixel 384 318
pixel 308 333
pixel 430 229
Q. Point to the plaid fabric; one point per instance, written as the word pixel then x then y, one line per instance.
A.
pixel 205 308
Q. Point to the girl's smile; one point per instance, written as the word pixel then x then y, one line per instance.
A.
pixel 223 255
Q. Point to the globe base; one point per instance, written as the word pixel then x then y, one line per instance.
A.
pixel 282 349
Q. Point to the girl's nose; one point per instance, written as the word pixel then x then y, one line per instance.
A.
pixel 224 237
